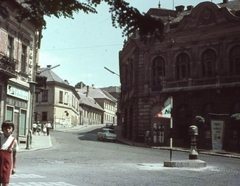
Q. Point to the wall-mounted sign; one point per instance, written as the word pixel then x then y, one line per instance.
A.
pixel 17 92
pixel 217 134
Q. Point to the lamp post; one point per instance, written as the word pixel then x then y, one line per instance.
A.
pixel 111 71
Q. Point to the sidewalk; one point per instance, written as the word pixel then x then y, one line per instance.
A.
pixel 208 152
pixel 43 142
pixel 38 142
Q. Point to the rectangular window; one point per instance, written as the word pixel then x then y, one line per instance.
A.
pixel 36 97
pixel 66 98
pixel 10 47
pixel 44 116
pixel 22 126
pixel 45 96
pixel 24 59
pixel 60 96
pixel 9 115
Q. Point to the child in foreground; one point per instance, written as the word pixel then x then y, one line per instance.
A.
pixel 8 153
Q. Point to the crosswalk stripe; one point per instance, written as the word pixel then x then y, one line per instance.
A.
pixel 41 184
pixel 27 176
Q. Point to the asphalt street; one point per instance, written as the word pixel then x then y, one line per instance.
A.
pixel 76 158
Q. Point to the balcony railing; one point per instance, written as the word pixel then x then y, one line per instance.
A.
pixel 7 66
pixel 192 84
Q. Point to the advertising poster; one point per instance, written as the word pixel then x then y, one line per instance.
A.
pixel 217 134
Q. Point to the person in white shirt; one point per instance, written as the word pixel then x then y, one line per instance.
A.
pixel 49 126
pixel 34 126
pixel 8 153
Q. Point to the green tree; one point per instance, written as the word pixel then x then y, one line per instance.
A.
pixel 123 16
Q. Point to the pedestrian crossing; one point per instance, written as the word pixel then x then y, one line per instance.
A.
pixel 26 176
pixel 41 184
pixel 17 180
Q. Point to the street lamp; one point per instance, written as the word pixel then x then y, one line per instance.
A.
pixel 111 71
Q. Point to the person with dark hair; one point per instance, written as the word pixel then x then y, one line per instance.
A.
pixel 8 153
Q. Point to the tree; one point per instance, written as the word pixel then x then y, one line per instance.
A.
pixel 123 16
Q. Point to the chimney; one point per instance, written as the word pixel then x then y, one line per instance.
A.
pixel 87 91
pixel 190 7
pixel 225 1
pixel 179 8
pixel 49 66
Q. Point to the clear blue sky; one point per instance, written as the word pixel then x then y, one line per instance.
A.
pixel 84 45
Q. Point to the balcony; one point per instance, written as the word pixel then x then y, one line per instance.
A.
pixel 7 67
pixel 198 84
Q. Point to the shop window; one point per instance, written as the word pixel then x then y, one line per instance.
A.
pixel 9 114
pixel 22 126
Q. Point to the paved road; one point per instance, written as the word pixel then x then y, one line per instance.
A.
pixel 78 159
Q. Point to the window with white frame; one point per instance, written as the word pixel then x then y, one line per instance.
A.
pixel 24 59
pixel 10 47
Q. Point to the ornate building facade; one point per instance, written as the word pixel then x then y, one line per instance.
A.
pixel 18 60
pixel 197 64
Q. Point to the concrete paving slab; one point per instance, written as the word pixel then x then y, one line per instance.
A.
pixel 185 163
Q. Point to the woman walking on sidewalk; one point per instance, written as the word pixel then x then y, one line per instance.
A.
pixel 8 153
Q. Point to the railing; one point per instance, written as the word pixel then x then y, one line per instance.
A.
pixel 201 83
pixel 7 65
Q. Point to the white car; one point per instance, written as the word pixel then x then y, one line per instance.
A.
pixel 107 134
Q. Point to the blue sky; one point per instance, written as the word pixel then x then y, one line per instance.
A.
pixel 83 46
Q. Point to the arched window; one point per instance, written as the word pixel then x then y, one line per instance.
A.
pixel 208 63
pixel 158 71
pixel 235 60
pixel 183 66
pixel 131 75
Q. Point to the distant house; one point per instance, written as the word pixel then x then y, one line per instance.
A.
pixel 104 99
pixel 58 102
pixel 91 112
pixel 115 91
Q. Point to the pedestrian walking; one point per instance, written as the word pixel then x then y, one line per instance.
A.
pixel 49 126
pixel 39 127
pixel 8 153
pixel 34 126
pixel 44 128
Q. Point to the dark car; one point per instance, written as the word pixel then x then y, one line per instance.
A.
pixel 109 125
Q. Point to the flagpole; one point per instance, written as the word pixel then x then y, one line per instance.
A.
pixel 171 128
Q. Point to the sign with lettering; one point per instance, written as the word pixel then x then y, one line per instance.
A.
pixel 217 127
pixel 17 92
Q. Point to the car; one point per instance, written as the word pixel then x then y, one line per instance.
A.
pixel 107 134
pixel 109 125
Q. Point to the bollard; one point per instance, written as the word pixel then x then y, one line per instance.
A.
pixel 193 132
pixel 29 139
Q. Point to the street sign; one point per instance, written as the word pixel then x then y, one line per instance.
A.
pixel 166 110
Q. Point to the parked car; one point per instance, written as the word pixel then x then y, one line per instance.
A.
pixel 107 134
pixel 109 125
